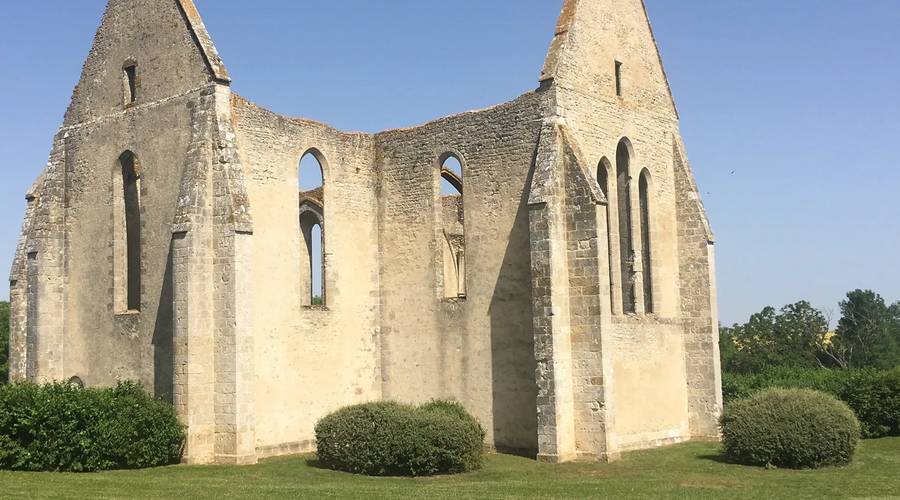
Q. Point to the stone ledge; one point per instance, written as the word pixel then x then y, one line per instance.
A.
pixel 294 448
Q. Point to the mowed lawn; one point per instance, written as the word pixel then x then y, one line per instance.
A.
pixel 686 471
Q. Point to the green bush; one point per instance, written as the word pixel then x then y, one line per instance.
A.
pixel 792 428
pixel 875 398
pixel 737 386
pixel 392 439
pixel 873 395
pixel 60 427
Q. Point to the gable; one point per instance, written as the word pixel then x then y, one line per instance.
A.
pixel 591 36
pixel 165 40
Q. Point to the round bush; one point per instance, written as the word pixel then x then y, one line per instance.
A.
pixel 60 427
pixel 392 439
pixel 791 428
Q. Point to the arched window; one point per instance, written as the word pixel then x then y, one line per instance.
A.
pixel 646 253
pixel 453 225
pixel 127 233
pixel 312 228
pixel 626 247
pixel 451 177
pixel 604 170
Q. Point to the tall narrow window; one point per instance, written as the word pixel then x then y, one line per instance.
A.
pixel 130 82
pixel 127 233
pixel 453 227
pixel 317 268
pixel 312 229
pixel 603 173
pixel 646 253
pixel 626 248
pixel 618 78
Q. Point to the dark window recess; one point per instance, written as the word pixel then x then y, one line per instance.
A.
pixel 646 253
pixel 132 194
pixel 626 248
pixel 130 84
pixel 618 78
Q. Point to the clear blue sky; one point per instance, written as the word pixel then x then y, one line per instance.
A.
pixel 800 99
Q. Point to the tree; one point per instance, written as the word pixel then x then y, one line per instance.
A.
pixel 4 342
pixel 868 334
pixel 752 343
pixel 800 331
pixel 792 336
pixel 727 347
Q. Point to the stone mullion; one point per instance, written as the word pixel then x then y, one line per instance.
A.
pixel 636 245
pixel 614 252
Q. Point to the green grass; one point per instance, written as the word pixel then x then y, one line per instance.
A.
pixel 686 471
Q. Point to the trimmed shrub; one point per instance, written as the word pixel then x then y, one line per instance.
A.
pixel 393 439
pixel 60 427
pixel 792 428
pixel 873 395
pixel 458 436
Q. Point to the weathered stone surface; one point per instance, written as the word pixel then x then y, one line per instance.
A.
pixel 509 298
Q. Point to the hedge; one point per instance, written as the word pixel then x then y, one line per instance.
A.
pixel 874 395
pixel 393 439
pixel 61 427
pixel 793 428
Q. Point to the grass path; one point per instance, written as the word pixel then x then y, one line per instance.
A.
pixel 686 471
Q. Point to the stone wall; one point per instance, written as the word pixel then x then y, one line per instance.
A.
pixel 310 360
pixel 477 350
pixel 533 340
pixel 104 343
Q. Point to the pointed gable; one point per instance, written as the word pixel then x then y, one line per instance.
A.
pixel 165 41
pixel 204 41
pixel 592 35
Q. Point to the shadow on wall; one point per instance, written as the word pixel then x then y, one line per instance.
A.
pixel 163 355
pixel 512 342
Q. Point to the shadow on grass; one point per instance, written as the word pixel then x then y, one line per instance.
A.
pixel 315 463
pixel 719 458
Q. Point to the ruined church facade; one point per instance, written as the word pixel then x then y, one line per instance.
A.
pixel 565 293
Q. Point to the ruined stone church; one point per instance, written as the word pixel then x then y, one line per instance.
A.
pixel 563 290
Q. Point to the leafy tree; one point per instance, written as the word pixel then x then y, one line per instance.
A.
pixel 727 348
pixel 792 336
pixel 752 343
pixel 800 330
pixel 868 334
pixel 4 342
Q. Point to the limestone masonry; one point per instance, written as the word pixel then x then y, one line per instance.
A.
pixel 564 292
